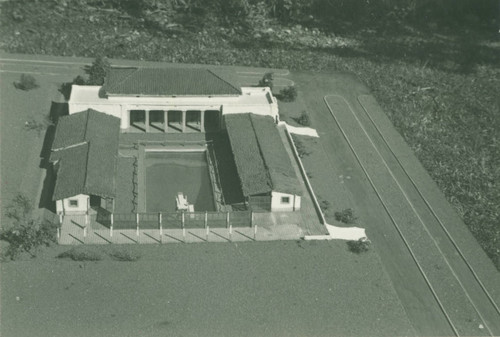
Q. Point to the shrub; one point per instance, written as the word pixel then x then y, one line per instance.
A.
pixel 346 216
pixel 37 125
pixel 301 148
pixel 25 234
pixel 324 205
pixel 304 119
pixel 124 255
pixel 26 82
pixel 267 80
pixel 81 253
pixel 288 94
pixel 65 88
pixel 359 246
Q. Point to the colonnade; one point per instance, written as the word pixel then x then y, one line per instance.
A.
pixel 166 124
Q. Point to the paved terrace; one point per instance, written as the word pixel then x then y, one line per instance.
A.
pixel 269 227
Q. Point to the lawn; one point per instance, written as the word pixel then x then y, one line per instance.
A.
pixel 21 149
pixel 254 289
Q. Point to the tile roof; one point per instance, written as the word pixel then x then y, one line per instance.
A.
pixel 169 82
pixel 86 146
pixel 261 159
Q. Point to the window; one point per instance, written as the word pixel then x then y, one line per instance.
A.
pixel 285 200
pixel 73 202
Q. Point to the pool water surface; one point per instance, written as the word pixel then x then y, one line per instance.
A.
pixel 168 173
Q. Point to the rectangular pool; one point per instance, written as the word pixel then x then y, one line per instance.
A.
pixel 168 173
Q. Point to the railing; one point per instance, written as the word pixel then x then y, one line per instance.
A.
pixel 82 226
pixel 167 142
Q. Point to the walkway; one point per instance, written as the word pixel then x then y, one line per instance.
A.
pixel 310 223
pixel 75 233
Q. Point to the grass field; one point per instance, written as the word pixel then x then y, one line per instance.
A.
pixel 21 149
pixel 254 289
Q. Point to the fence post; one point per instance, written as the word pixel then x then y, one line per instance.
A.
pixel 161 227
pixel 183 228
pixel 230 232
pixel 208 230
pixel 251 218
pixel 227 219
pixel 137 224
pixel 255 233
pixel 87 218
pixel 206 218
pixel 58 233
pixel 111 226
pixel 61 218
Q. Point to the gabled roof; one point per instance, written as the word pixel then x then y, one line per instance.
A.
pixel 261 159
pixel 169 82
pixel 86 146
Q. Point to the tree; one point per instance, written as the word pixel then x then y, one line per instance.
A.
pixel 359 246
pixel 346 216
pixel 288 94
pixel 38 124
pixel 267 80
pixel 26 82
pixel 97 71
pixel 304 119
pixel 25 234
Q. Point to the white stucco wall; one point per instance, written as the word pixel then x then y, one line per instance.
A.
pixel 63 206
pixel 277 205
pixel 253 99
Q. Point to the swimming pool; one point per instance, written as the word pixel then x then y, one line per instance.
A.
pixel 168 173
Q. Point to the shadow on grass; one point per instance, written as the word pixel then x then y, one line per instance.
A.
pixel 56 110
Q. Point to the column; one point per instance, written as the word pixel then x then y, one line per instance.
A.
pixel 147 120
pixel 202 121
pixel 165 120
pixel 183 122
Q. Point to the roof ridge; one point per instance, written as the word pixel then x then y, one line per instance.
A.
pixel 86 126
pixel 224 80
pixel 88 151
